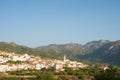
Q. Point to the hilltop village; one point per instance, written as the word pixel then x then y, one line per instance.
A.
pixel 10 61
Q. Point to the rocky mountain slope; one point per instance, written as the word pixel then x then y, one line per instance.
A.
pixel 93 45
pixel 73 48
pixel 70 49
pixel 109 53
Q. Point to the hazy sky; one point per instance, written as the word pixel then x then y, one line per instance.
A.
pixel 41 22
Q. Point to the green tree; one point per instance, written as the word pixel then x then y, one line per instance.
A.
pixel 69 71
pixel 45 76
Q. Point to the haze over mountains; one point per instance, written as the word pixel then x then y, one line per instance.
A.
pixel 102 50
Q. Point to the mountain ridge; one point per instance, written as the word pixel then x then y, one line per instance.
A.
pixel 96 51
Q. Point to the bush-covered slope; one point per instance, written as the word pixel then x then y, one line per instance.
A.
pixel 18 49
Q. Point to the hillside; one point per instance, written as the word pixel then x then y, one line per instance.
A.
pixel 109 53
pixel 19 49
pixel 93 45
pixel 70 49
pixel 73 49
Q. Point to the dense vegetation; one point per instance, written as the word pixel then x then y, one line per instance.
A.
pixel 89 73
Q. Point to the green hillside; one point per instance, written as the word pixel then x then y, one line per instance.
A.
pixel 19 49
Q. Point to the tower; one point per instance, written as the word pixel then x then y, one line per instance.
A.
pixel 64 58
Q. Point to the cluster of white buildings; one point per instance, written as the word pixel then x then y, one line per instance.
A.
pixel 33 62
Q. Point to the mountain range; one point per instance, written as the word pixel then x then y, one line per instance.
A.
pixel 74 49
pixel 95 51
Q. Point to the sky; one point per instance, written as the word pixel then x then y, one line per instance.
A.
pixel 41 22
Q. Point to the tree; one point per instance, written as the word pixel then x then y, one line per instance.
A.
pixel 69 71
pixel 45 76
